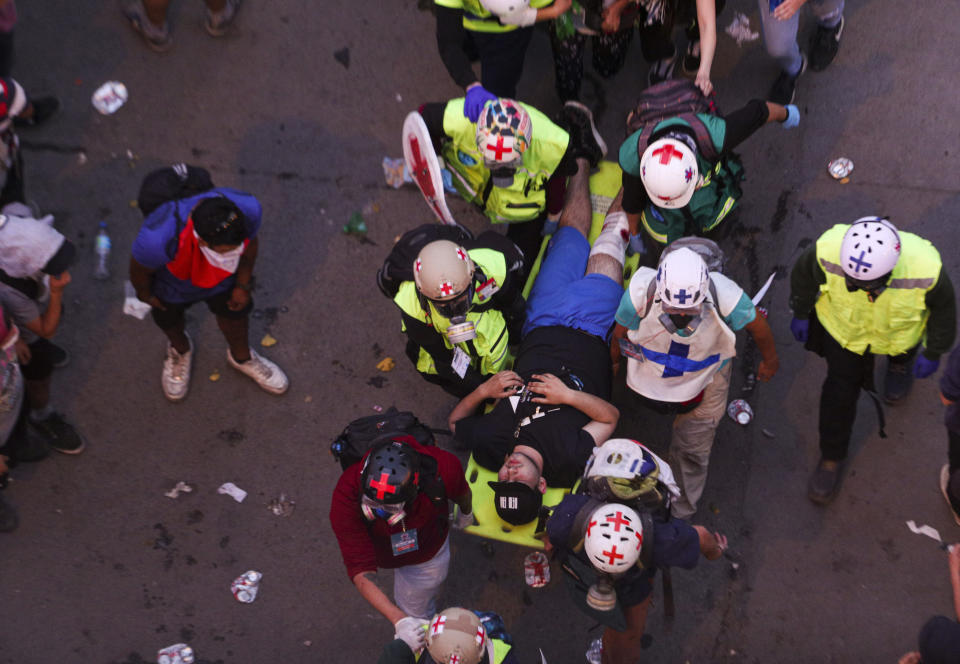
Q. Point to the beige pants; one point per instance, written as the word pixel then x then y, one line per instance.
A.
pixel 692 441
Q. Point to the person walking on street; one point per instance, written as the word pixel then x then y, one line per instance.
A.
pixel 676 326
pixel 950 395
pixel 867 289
pixel 202 249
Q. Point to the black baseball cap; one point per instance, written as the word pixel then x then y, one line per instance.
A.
pixel 516 502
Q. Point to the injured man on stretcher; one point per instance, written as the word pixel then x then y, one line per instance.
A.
pixel 553 408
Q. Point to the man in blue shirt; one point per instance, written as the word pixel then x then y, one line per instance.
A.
pixel 202 248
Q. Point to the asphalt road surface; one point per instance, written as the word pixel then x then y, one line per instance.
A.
pixel 105 568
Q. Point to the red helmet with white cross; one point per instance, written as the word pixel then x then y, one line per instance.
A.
pixel 456 636
pixel 443 270
pixel 613 538
pixel 669 171
pixel 504 132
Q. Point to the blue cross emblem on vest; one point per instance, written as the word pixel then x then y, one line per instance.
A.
pixel 675 361
pixel 859 262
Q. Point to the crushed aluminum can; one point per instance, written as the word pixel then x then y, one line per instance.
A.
pixel 245 586
pixel 763 311
pixel 109 97
pixel 178 653
pixel 536 569
pixel 740 411
pixel 840 169
pixel 282 505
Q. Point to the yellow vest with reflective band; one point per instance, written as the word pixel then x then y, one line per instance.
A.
pixel 526 198
pixel 500 650
pixel 897 320
pixel 478 19
pixel 488 352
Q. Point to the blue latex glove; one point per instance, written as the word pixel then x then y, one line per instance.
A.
pixel 801 329
pixel 550 227
pixel 793 117
pixel 477 96
pixel 924 366
pixel 636 245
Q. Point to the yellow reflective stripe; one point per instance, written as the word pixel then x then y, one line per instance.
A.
pixel 659 237
pixel 727 206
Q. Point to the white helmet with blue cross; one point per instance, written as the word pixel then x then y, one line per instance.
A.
pixel 682 279
pixel 870 249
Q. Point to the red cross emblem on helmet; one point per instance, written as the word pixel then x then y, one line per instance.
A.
pixel 382 486
pixel 618 521
pixel 480 636
pixel 461 254
pixel 437 625
pixel 454 659
pixel 667 153
pixel 446 288
pixel 417 266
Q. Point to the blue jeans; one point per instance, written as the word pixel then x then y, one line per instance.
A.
pixel 780 37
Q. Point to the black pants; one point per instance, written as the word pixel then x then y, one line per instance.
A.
pixel 847 373
pixel 501 58
pixel 527 236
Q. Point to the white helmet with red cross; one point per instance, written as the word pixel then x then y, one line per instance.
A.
pixel 443 270
pixel 669 171
pixel 613 538
pixel 504 132
pixel 456 636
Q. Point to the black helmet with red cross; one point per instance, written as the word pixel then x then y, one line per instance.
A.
pixel 391 473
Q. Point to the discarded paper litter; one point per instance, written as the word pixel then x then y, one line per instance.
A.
pixel 232 490
pixel 740 30
pixel 181 487
pixel 109 97
pixel 133 306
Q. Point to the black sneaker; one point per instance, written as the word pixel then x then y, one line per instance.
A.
pixel 585 140
pixel 691 59
pixel 823 483
pixel 785 87
pixel 44 108
pixel 898 381
pixel 26 448
pixel 8 516
pixel 60 434
pixel 824 46
pixel 59 356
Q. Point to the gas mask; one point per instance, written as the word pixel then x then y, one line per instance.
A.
pixel 461 330
pixel 502 176
pixel 456 311
pixel 873 287
pixel 391 513
pixel 677 322
pixel 601 595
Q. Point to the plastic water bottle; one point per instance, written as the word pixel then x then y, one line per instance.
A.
pixel 102 248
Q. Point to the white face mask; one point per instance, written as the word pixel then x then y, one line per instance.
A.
pixel 227 261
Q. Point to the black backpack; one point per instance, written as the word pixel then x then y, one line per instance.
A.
pixel 171 183
pixel 398 267
pixel 673 98
pixel 364 433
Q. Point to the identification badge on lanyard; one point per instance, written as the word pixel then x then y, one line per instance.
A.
pixel 629 349
pixel 461 362
pixel 404 542
pixel 487 289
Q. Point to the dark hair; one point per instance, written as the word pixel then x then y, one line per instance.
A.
pixel 218 221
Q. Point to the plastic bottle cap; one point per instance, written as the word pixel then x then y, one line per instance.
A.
pixel 743 418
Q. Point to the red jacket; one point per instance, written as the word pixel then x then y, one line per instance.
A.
pixel 365 545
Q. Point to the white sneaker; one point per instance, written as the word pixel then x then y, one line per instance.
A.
pixel 175 378
pixel 266 373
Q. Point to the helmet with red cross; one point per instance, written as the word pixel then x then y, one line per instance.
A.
pixel 391 474
pixel 669 171
pixel 443 273
pixel 456 636
pixel 613 538
pixel 504 132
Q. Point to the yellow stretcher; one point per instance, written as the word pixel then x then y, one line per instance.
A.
pixel 488 524
pixel 604 185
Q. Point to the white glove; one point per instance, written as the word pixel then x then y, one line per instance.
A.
pixel 521 17
pixel 462 520
pixel 413 632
